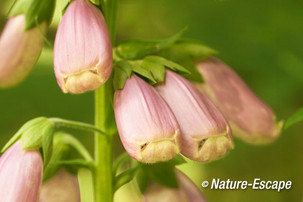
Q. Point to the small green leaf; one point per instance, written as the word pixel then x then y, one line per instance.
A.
pixel 86 185
pixel 121 159
pixel 134 49
pixel 295 118
pixel 47 147
pixel 164 174
pixel 124 178
pixel 27 126
pixel 177 160
pixel 157 70
pixel 167 63
pixel 59 152
pixel 123 71
pixel 32 137
pixel 142 179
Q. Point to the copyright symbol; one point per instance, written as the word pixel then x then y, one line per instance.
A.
pixel 205 184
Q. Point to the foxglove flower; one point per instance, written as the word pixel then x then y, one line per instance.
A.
pixel 147 127
pixel 249 117
pixel 20 174
pixel 63 187
pixel 187 191
pixel 19 50
pixel 205 134
pixel 83 51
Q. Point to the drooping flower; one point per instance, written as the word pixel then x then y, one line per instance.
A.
pixel 205 134
pixel 83 50
pixel 187 191
pixel 19 50
pixel 147 127
pixel 20 174
pixel 63 187
pixel 249 117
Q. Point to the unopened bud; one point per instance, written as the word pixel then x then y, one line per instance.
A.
pixel 20 174
pixel 63 187
pixel 148 129
pixel 83 52
pixel 205 134
pixel 187 191
pixel 19 50
pixel 249 117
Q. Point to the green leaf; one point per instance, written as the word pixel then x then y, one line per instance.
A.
pixel 123 71
pixel 121 159
pixel 41 10
pixel 32 137
pixel 47 148
pixel 295 118
pixel 157 70
pixel 162 173
pixel 27 126
pixel 86 185
pixel 167 63
pixel 134 49
pixel 59 152
pixel 124 178
pixel 142 179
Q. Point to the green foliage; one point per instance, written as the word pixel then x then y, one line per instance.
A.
pixel 162 173
pixel 124 178
pixel 150 67
pixel 34 10
pixel 295 118
pixel 135 49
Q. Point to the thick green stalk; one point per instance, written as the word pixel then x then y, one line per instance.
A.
pixel 104 121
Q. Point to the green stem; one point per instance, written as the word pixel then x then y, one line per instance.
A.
pixel 104 121
pixel 75 124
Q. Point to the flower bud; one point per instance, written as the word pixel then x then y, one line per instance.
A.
pixel 187 191
pixel 249 117
pixel 205 134
pixel 19 50
pixel 20 174
pixel 83 52
pixel 63 187
pixel 148 129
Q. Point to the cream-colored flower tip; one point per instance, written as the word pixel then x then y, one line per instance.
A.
pixel 187 192
pixel 249 117
pixel 147 127
pixel 205 134
pixel 19 50
pixel 83 51
pixel 20 174
pixel 63 187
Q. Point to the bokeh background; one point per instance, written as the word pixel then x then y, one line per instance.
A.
pixel 261 40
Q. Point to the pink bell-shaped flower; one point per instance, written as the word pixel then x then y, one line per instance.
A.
pixel 19 50
pixel 20 174
pixel 249 117
pixel 147 127
pixel 205 134
pixel 83 51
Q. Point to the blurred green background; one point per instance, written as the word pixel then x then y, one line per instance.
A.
pixel 261 40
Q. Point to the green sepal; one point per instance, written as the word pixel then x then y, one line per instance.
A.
pixel 32 138
pixel 135 49
pixel 34 10
pixel 162 173
pixel 295 118
pixel 59 152
pixel 47 147
pixel 27 126
pixel 187 52
pixel 124 69
pixel 124 178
